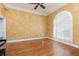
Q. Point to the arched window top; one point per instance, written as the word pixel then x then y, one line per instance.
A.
pixel 64 14
pixel 67 12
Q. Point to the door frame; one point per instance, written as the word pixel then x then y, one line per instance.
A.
pixel 4 26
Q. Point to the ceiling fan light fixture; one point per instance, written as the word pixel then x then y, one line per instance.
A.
pixel 38 4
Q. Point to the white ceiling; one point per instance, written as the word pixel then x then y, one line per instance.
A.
pixel 50 7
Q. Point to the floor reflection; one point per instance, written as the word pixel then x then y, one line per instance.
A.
pixel 59 50
pixel 43 47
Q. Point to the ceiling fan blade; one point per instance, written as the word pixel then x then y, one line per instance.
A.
pixel 42 6
pixel 36 6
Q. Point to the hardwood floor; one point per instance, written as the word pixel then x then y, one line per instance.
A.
pixel 41 47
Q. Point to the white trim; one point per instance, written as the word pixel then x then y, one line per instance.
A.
pixel 27 39
pixel 69 44
pixel 4 25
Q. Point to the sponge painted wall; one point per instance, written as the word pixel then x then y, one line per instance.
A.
pixel 74 9
pixel 24 25
pixel 21 25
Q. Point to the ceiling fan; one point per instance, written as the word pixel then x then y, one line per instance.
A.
pixel 38 4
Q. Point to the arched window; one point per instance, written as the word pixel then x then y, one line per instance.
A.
pixel 63 26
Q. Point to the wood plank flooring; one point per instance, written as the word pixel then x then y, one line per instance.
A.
pixel 40 47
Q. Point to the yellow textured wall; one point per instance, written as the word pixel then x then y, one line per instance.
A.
pixel 2 9
pixel 24 25
pixel 74 9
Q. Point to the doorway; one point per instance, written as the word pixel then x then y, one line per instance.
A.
pixel 2 28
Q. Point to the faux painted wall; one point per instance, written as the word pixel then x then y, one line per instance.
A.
pixel 24 25
pixel 2 9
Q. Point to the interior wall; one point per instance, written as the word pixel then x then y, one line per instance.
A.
pixel 24 25
pixel 74 10
pixel 20 25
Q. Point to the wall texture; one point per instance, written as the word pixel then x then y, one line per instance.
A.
pixel 2 9
pixel 24 25
pixel 74 9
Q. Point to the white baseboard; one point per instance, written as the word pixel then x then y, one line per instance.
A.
pixel 20 40
pixel 73 45
pixel 27 39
